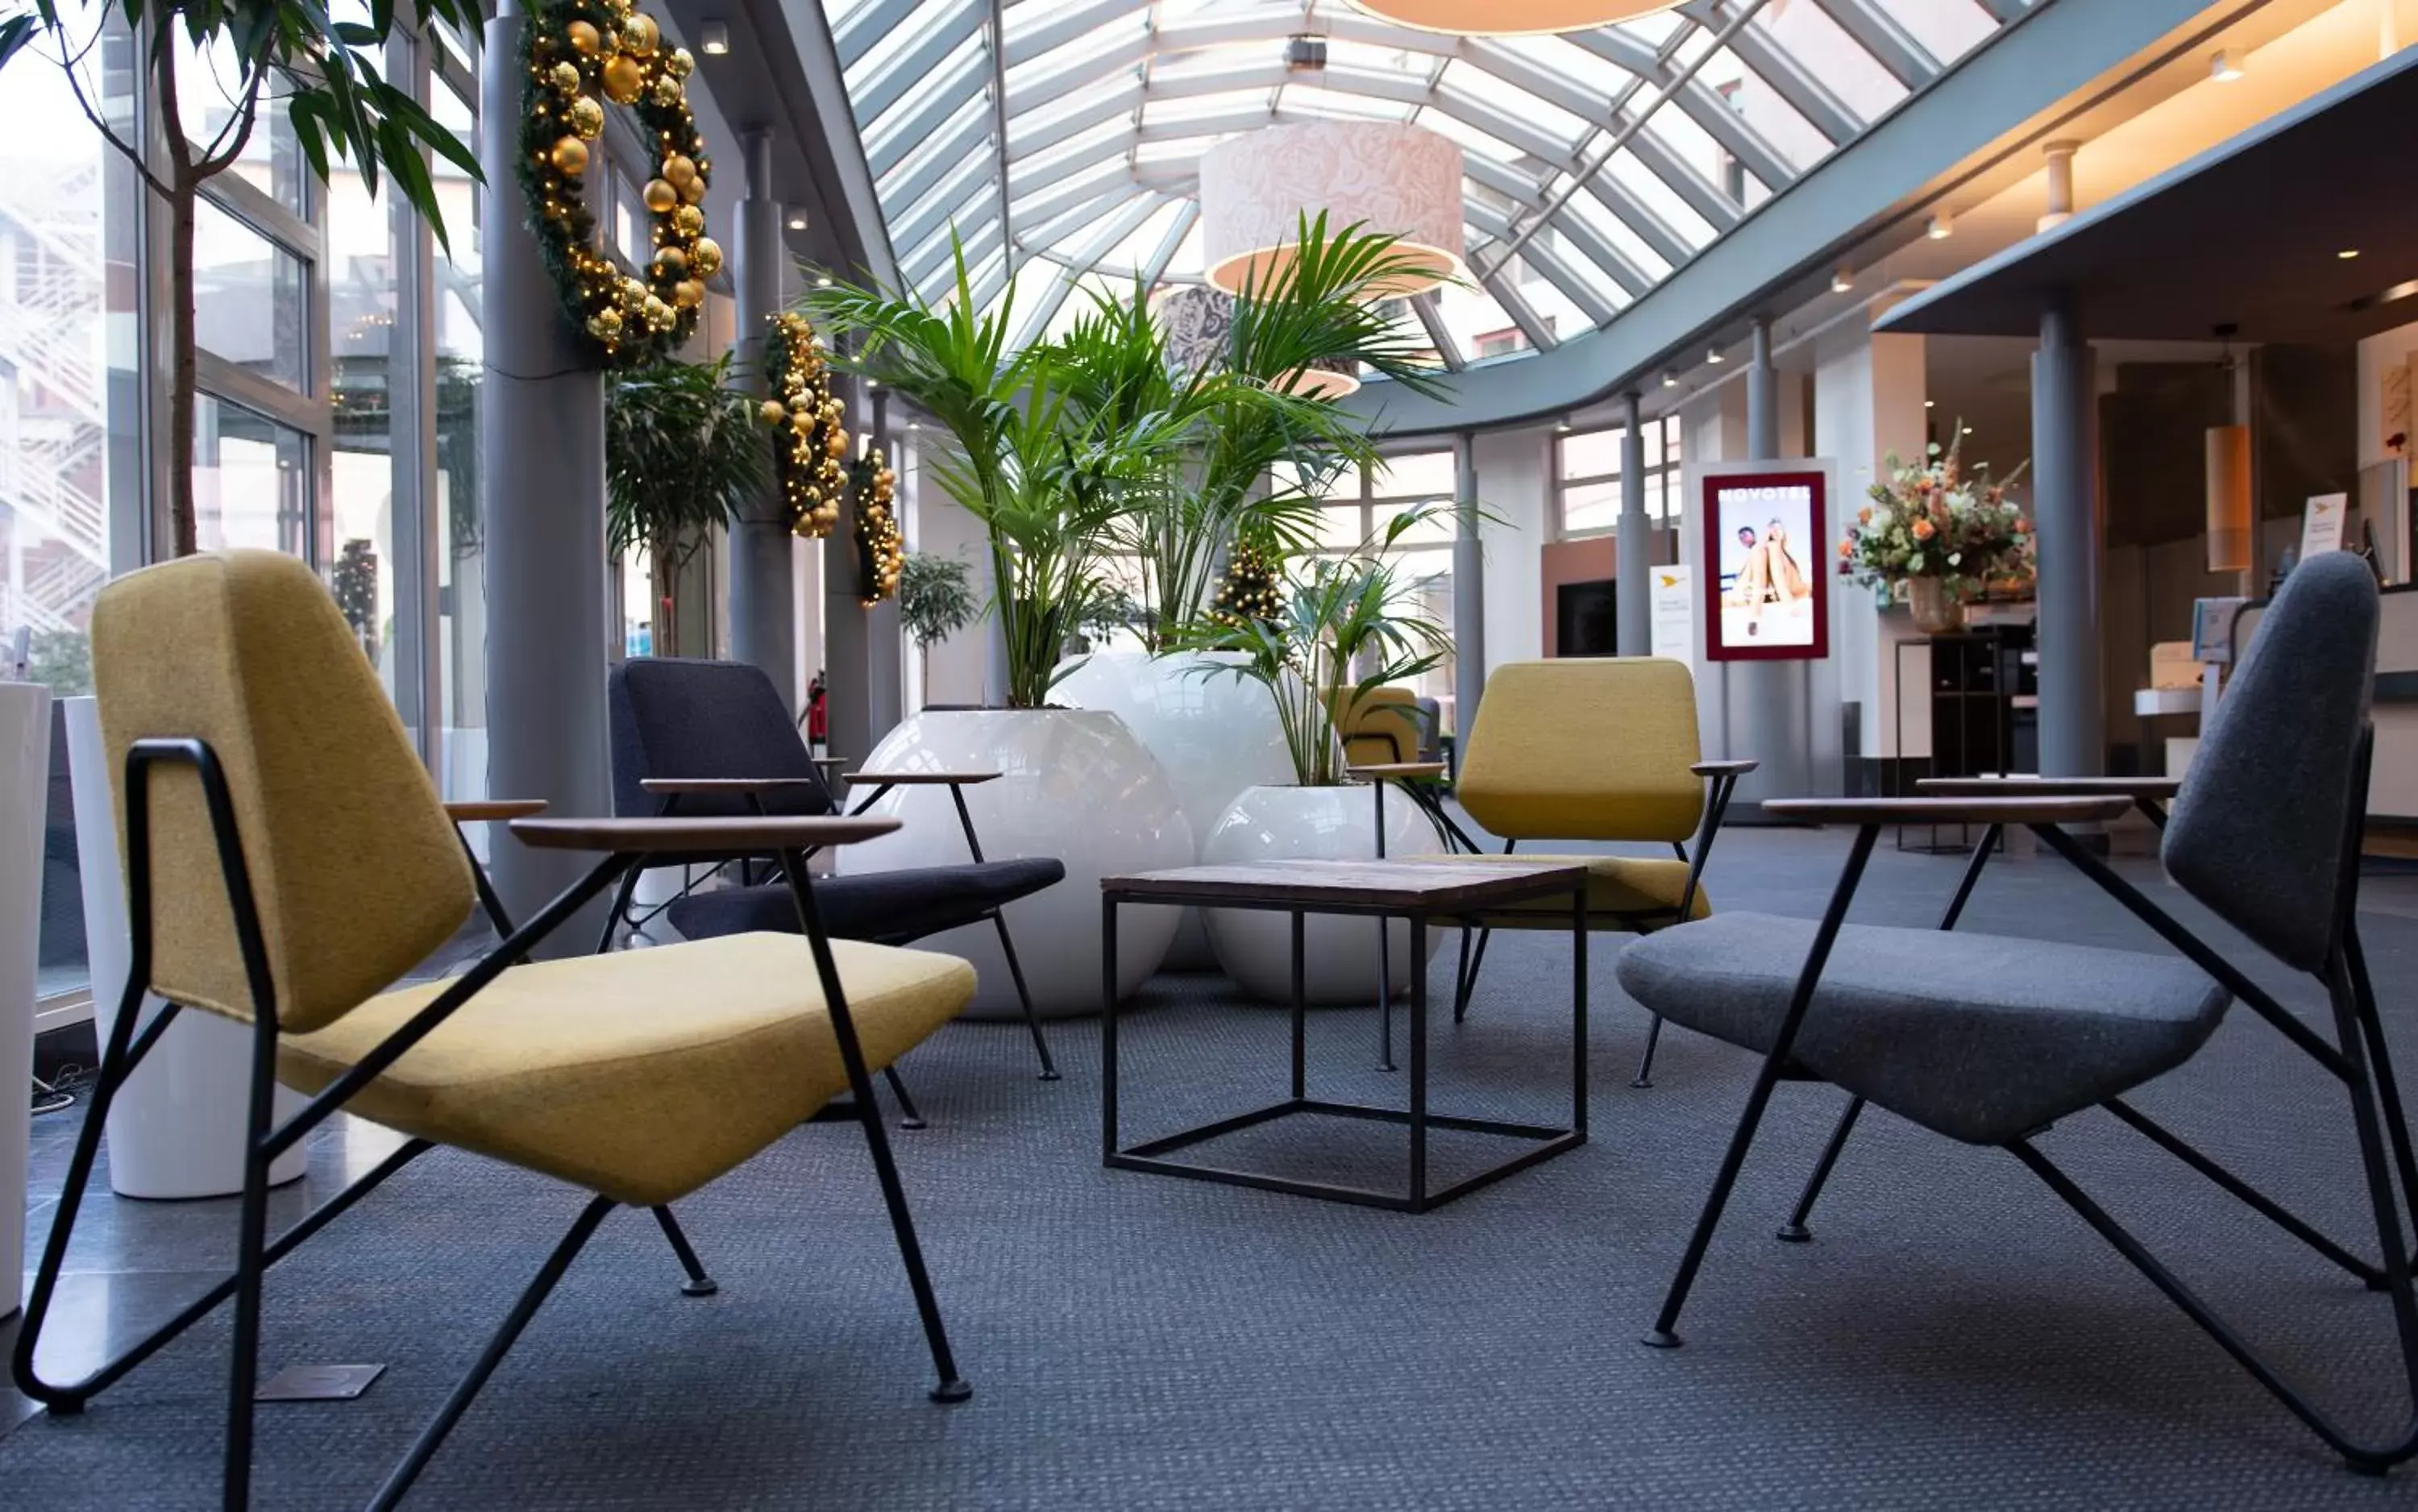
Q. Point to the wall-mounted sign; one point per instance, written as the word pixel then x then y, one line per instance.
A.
pixel 1765 594
pixel 2322 524
pixel 1674 624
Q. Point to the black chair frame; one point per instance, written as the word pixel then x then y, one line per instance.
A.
pixel 1721 782
pixel 265 1141
pixel 2356 1057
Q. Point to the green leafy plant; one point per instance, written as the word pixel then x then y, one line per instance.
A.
pixel 936 597
pixel 681 454
pixel 1348 626
pixel 257 53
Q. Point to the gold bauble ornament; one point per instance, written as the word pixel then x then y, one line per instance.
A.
pixel 666 91
pixel 639 36
pixel 679 169
pixel 835 444
pixel 606 325
pixel 688 294
pixel 679 63
pixel 587 119
pixel 624 77
pixel 633 294
pixel 693 191
pixel 586 40
pixel 688 221
pixel 705 257
pixel 564 77
pixel 772 412
pixel 569 156
pixel 658 313
pixel 670 262
pixel 659 196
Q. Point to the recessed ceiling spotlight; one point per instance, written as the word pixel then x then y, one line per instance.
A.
pixel 1940 228
pixel 797 220
pixel 1929 402
pixel 1967 431
pixel 1670 377
pixel 2348 254
pixel 2224 67
pixel 714 38
pixel 1713 356
pixel 1842 282
pixel 822 281
pixel 1562 426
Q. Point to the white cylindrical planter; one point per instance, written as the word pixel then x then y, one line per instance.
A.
pixel 176 1128
pixel 1213 734
pixel 1076 785
pixel 1291 823
pixel 25 802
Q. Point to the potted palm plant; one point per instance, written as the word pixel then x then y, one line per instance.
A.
pixel 1348 626
pixel 936 600
pixel 682 451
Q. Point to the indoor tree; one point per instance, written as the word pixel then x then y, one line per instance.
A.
pixel 683 450
pixel 257 55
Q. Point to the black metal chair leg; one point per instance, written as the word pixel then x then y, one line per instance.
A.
pixel 621 896
pixel 908 1116
pixel 1644 1077
pixel 699 1284
pixel 1794 1231
pixel 250 1262
pixel 1040 1044
pixel 548 1276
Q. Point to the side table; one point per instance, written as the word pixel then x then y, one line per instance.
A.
pixel 1417 892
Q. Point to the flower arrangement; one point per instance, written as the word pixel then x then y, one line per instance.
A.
pixel 1941 522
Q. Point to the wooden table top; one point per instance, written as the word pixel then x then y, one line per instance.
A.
pixel 1440 886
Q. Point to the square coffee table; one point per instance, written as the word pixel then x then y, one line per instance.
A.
pixel 1419 892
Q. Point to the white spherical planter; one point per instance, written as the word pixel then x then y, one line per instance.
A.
pixel 25 793
pixel 1213 732
pixel 1076 785
pixel 1291 823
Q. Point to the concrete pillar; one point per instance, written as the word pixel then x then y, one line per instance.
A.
pixel 542 477
pixel 848 702
pixel 762 614
pixel 1770 718
pixel 884 679
pixel 1635 637
pixel 2073 548
pixel 1468 592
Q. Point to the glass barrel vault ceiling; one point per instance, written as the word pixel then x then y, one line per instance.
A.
pixel 1060 139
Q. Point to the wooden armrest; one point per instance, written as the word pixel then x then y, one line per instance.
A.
pixel 724 785
pixel 481 810
pixel 921 779
pixel 1396 770
pixel 1946 810
pixel 2150 787
pixel 740 835
pixel 1723 769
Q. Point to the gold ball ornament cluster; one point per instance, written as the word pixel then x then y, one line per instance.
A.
pixel 881 552
pixel 578 56
pixel 809 430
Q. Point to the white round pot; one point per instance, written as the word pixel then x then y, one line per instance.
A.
pixel 1075 786
pixel 24 801
pixel 1292 823
pixel 1213 732
pixel 176 1127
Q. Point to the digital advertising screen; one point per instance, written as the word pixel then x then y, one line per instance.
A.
pixel 1766 561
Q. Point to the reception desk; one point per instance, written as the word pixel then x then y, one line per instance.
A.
pixel 2393 783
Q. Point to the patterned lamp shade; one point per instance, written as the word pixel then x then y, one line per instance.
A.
pixel 1196 321
pixel 1400 180
pixel 1510 18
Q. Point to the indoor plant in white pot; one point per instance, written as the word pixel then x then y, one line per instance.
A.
pixel 1346 628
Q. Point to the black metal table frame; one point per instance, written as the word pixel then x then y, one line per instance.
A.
pixel 1416 1198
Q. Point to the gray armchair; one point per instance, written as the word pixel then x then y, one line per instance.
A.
pixel 1989 1041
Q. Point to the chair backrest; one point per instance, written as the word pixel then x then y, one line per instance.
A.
pixel 2258 830
pixel 357 874
pixel 1595 748
pixel 1378 727
pixel 682 717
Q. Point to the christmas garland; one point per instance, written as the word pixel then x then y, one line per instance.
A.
pixel 810 449
pixel 879 552
pixel 1253 588
pixel 575 52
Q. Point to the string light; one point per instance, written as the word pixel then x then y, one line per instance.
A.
pixel 812 436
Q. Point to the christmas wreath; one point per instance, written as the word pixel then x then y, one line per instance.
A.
pixel 810 446
pixel 578 54
pixel 880 551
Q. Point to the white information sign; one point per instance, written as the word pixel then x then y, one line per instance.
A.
pixel 2322 524
pixel 1675 613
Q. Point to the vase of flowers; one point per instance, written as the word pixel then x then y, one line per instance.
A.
pixel 1947 532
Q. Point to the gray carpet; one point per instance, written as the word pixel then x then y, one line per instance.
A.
pixel 1954 1338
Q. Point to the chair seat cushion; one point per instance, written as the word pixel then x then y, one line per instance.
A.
pixel 1977 1037
pixel 641 1074
pixel 890 907
pixel 1617 885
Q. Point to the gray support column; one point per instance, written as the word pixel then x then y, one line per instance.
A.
pixel 762 611
pixel 2072 549
pixel 1635 543
pixel 847 706
pixel 884 679
pixel 542 476
pixel 1769 700
pixel 1468 592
